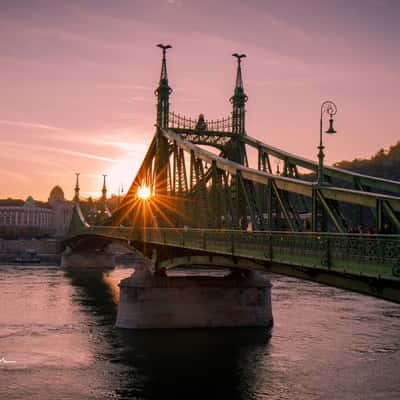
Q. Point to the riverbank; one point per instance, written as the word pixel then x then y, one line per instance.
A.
pixel 47 250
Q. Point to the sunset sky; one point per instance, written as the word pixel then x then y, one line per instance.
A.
pixel 77 80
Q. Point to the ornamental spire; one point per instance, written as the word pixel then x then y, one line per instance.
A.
pixel 238 99
pixel 164 75
pixel 77 188
pixel 239 79
pixel 163 91
pixel 104 190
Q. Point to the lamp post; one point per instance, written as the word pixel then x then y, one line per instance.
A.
pixel 327 107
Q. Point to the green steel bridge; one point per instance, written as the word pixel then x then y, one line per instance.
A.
pixel 204 204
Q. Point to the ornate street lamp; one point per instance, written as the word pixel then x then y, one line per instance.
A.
pixel 327 107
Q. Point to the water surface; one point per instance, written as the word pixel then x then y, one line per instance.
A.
pixel 57 341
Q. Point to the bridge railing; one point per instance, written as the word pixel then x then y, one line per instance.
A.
pixel 182 122
pixel 360 255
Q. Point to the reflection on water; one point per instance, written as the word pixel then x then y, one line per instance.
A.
pixel 191 362
pixel 58 328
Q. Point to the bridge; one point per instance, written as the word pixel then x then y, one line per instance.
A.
pixel 206 194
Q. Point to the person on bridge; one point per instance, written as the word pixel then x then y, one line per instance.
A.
pixel 386 229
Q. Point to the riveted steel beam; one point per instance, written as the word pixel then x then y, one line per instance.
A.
pixel 330 212
pixel 333 172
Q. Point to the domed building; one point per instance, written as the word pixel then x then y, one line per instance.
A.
pixel 62 211
pixel 29 219
pixel 56 195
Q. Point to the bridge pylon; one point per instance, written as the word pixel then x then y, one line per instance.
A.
pixel 163 92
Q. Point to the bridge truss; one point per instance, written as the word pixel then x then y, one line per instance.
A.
pixel 193 186
pixel 199 175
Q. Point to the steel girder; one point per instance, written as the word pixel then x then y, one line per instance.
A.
pixel 211 191
pixel 366 181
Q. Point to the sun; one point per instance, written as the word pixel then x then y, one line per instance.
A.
pixel 144 192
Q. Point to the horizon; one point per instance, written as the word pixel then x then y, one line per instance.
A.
pixel 79 98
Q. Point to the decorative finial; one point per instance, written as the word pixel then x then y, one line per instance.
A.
pixel 164 47
pixel 239 56
pixel 239 80
pixel 164 62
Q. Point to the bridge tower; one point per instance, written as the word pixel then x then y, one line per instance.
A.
pixel 238 101
pixel 236 150
pixel 162 92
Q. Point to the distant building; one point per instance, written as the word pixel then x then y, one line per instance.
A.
pixel 35 219
pixel 62 211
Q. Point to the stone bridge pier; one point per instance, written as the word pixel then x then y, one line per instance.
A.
pixel 152 301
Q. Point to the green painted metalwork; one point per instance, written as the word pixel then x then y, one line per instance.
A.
pixel 78 222
pixel 239 100
pixel 177 151
pixel 358 256
pixel 252 217
pixel 327 107
pixel 376 256
pixel 163 91
pixel 367 181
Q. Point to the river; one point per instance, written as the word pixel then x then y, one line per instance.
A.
pixel 58 341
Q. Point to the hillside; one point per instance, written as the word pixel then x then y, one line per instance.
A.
pixel 384 164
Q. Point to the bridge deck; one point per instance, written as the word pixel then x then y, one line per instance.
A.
pixel 374 256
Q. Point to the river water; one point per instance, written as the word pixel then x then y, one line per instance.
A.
pixel 57 341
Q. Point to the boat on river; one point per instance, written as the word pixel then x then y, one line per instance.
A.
pixel 28 257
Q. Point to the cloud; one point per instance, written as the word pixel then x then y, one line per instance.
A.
pixel 77 137
pixel 79 154
pixel 126 87
pixel 21 157
pixel 17 27
pixel 60 150
pixel 131 148
pixel 25 124
pixel 14 174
